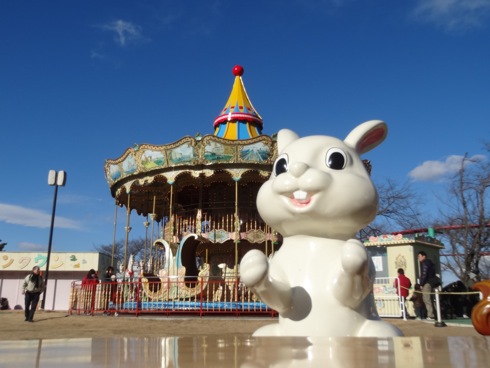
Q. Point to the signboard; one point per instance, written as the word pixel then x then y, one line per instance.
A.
pixel 10 261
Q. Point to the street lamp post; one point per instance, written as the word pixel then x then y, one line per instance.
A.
pixel 56 179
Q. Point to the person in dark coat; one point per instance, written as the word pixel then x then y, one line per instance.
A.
pixel 110 288
pixel 428 281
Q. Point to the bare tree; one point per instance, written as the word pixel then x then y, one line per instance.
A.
pixel 467 218
pixel 398 210
pixel 135 247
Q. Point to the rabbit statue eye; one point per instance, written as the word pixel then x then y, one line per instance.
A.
pixel 281 165
pixel 336 159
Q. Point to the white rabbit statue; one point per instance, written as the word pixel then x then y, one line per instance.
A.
pixel 318 197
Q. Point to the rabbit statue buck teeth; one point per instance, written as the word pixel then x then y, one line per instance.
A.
pixel 318 197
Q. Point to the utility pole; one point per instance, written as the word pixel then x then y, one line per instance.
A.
pixel 56 179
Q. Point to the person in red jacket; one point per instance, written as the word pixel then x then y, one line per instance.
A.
pixel 402 284
pixel 89 290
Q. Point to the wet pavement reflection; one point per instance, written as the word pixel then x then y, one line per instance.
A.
pixel 248 352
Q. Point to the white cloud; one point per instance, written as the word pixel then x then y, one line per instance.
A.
pixel 438 170
pixel 30 247
pixel 76 199
pixel 18 215
pixel 124 31
pixel 453 14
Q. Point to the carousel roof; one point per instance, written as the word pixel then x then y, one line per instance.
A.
pixel 238 119
pixel 142 176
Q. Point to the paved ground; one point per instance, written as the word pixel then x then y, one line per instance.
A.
pixel 55 325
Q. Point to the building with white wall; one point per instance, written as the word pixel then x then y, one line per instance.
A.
pixel 64 268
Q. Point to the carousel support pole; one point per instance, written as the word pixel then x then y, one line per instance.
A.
pixel 127 228
pixel 274 240
pixel 152 217
pixel 266 244
pixel 199 211
pixel 198 228
pixel 171 215
pixel 114 236
pixel 237 234
pixel 237 224
pixel 145 224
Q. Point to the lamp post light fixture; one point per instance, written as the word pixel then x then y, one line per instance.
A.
pixel 56 179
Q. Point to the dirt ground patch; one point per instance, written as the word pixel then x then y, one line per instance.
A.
pixel 56 325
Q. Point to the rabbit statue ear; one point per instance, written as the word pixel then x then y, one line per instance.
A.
pixel 284 138
pixel 367 136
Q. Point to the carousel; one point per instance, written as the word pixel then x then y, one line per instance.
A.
pixel 198 194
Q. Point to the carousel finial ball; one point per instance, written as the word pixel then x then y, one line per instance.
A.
pixel 238 70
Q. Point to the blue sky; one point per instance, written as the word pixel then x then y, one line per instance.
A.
pixel 81 81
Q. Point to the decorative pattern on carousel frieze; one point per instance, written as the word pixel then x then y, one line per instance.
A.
pixel 152 159
pixel 146 157
pixel 183 154
pixel 236 174
pixel 129 165
pixel 255 236
pixel 256 152
pixel 207 172
pixel 190 151
pixel 218 236
pixel 113 172
pixel 216 151
pixel 221 236
pixel 195 173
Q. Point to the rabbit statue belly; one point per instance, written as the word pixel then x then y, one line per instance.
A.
pixel 318 197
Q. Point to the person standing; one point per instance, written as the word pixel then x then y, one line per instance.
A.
pixel 89 289
pixel 110 286
pixel 418 302
pixel 402 284
pixel 428 281
pixel 32 288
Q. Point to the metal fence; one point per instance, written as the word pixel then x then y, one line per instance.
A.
pixel 388 303
pixel 171 296
pixel 174 295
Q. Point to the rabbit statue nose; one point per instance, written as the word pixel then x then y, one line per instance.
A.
pixel 298 168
